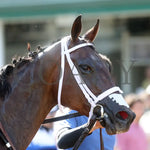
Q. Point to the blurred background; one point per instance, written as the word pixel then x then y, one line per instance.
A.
pixel 124 34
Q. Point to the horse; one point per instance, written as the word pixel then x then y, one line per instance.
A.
pixel 31 86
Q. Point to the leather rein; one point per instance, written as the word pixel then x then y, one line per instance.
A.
pixel 98 115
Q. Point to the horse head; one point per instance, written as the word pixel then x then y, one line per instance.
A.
pixel 89 78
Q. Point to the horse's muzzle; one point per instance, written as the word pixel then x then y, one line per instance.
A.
pixel 117 118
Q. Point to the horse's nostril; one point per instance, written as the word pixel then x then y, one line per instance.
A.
pixel 122 115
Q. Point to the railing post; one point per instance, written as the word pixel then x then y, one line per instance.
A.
pixel 2 45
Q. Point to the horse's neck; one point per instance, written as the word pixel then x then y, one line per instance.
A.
pixel 30 101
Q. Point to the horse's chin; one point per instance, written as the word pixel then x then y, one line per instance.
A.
pixel 114 127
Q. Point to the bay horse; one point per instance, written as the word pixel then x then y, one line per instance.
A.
pixel 30 87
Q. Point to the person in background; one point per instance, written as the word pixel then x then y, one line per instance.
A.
pixel 135 138
pixel 146 81
pixel 44 138
pixel 68 131
pixel 145 119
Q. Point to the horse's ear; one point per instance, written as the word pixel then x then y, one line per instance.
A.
pixel 76 28
pixel 91 34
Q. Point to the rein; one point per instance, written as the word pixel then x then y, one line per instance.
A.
pixel 61 118
pixel 98 114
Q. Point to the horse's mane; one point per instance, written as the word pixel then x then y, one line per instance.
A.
pixel 17 63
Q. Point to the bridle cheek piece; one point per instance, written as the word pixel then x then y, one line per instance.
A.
pixel 92 99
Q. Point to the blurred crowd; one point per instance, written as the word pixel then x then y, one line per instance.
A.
pixel 138 136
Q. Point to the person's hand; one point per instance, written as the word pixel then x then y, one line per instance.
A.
pixel 97 125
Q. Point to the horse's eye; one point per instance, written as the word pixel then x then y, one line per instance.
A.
pixel 85 68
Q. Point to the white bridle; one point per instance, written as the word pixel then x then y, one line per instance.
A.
pixel 92 99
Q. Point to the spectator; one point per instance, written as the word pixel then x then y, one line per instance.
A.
pixel 68 131
pixel 146 81
pixel 135 138
pixel 145 119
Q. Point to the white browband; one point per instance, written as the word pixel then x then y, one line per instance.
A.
pixel 92 99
